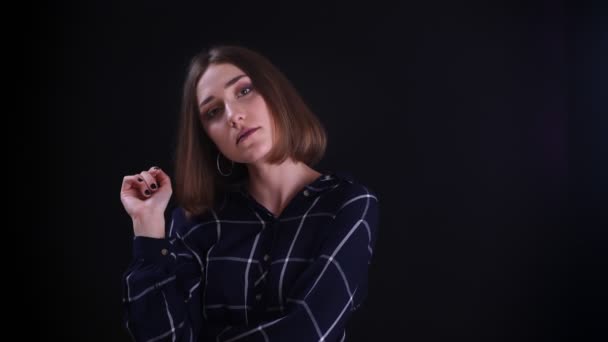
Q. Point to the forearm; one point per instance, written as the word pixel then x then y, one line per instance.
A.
pixel 149 226
pixel 161 293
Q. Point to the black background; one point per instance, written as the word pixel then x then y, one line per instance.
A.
pixel 480 126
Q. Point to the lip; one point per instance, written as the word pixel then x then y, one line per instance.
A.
pixel 244 133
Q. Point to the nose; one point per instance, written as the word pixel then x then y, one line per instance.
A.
pixel 234 114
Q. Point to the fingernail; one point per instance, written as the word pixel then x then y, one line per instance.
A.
pixel 153 186
pixel 156 168
pixel 140 180
pixel 147 192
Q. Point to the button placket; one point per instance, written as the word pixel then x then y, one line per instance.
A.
pixel 266 249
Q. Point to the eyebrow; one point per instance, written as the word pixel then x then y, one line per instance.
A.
pixel 228 84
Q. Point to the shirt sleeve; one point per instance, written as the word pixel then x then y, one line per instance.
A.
pixel 161 287
pixel 324 297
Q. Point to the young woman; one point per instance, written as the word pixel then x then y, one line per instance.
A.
pixel 261 246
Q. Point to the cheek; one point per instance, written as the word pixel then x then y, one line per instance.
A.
pixel 271 122
pixel 263 111
pixel 217 134
pixel 211 132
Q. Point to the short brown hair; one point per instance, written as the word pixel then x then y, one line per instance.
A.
pixel 299 135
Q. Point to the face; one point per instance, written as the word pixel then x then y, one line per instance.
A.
pixel 230 106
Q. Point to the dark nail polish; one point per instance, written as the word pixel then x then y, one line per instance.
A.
pixel 156 168
pixel 147 192
pixel 140 180
pixel 153 186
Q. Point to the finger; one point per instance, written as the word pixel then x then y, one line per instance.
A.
pixel 133 183
pixel 149 183
pixel 162 178
pixel 127 183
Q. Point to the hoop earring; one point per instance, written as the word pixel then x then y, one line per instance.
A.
pixel 220 170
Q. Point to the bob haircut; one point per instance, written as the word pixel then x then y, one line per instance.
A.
pixel 299 134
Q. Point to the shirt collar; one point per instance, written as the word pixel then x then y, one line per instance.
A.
pixel 326 181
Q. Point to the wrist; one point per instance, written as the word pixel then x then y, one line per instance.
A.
pixel 152 227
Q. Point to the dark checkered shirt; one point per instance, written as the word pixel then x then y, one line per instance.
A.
pixel 238 273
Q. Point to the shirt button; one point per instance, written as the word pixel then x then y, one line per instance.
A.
pixel 266 257
pixel 164 251
pixel 306 193
pixel 258 296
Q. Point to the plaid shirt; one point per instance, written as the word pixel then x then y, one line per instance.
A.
pixel 238 273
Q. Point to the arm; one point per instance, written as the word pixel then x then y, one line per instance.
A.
pixel 162 288
pixel 324 297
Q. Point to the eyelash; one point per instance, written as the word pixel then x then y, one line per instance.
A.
pixel 250 88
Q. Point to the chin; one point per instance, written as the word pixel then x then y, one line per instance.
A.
pixel 253 155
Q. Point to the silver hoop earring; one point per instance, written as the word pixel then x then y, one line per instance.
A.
pixel 220 170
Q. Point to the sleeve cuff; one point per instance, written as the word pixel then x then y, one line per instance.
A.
pixel 151 249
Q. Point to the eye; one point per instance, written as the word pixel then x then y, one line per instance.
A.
pixel 212 112
pixel 244 91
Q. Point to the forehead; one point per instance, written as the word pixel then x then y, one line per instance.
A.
pixel 215 77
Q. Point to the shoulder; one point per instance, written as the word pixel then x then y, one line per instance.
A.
pixel 350 190
pixel 181 222
pixel 178 220
pixel 355 210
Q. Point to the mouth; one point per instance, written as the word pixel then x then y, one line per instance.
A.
pixel 245 134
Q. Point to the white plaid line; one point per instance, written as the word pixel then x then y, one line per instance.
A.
pixel 256 329
pixel 292 260
pixel 192 289
pixel 129 331
pixel 293 242
pixel 239 221
pixel 356 198
pixel 233 259
pixel 198 258
pixel 341 272
pixel 206 277
pixel 350 300
pixel 160 337
pixel 369 232
pixel 128 288
pixel 333 255
pixel 264 334
pixel 206 273
pixel 260 279
pixel 196 227
pixel 218 225
pixel 171 229
pixel 151 288
pixel 169 316
pixel 293 218
pixel 366 207
pixel 249 261
pixel 217 338
pixel 314 188
pixel 312 317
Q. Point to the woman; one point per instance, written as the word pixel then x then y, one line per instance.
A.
pixel 262 247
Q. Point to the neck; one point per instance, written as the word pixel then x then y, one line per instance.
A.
pixel 273 186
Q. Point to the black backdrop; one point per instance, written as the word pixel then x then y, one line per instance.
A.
pixel 469 120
